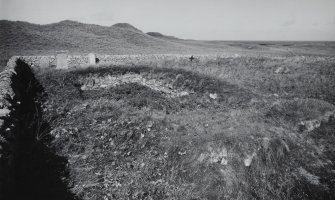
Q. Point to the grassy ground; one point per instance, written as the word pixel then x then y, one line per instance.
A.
pixel 246 128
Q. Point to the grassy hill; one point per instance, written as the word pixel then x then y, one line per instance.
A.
pixel 162 36
pixel 23 38
pixel 26 38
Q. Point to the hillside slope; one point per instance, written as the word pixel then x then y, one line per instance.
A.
pixel 27 38
pixel 23 38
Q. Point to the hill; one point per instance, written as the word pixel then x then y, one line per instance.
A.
pixel 26 38
pixel 127 27
pixel 23 38
pixel 159 35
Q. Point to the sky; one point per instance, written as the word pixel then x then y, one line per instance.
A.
pixel 190 19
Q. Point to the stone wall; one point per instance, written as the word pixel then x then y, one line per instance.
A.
pixel 7 94
pixel 74 61
pixel 7 117
pixel 83 60
pixel 17 90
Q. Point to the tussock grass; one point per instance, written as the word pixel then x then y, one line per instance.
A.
pixel 306 77
pixel 131 142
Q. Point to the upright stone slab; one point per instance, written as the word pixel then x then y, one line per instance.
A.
pixel 44 62
pixel 62 60
pixel 91 59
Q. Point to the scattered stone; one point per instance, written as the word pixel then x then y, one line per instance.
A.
pixel 282 70
pixel 108 81
pixel 83 87
pixel 214 156
pixel 248 160
pixel 213 95
pixel 150 124
pixel 4 112
pixel 309 125
pixel 279 70
pixel 184 93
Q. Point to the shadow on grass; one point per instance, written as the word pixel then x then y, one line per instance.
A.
pixel 38 173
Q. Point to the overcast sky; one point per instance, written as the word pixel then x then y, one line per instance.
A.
pixel 191 19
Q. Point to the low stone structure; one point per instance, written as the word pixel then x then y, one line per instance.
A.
pixel 74 61
pixel 14 84
pixel 92 59
pixel 62 61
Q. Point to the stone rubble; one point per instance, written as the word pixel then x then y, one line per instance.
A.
pixel 310 125
pixel 96 83
pixel 214 155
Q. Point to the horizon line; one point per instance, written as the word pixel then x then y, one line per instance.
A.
pixel 205 40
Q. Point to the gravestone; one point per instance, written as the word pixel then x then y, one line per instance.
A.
pixel 44 62
pixel 62 60
pixel 91 59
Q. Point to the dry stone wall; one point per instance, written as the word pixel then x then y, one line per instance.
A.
pixel 7 116
pixel 75 61
pixel 17 90
pixel 7 94
pixel 84 60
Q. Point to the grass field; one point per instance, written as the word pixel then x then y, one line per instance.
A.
pixel 226 128
pixel 256 125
